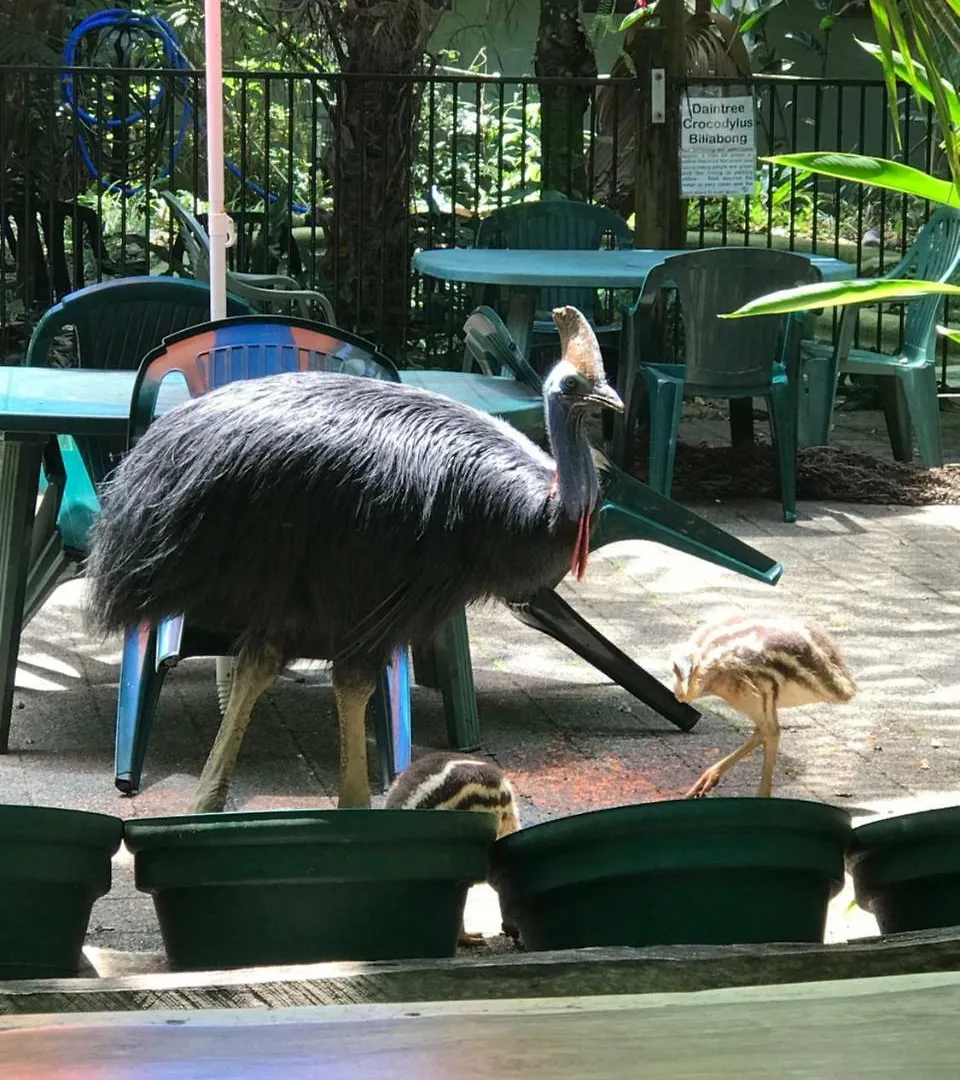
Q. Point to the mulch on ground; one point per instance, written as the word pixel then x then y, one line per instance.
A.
pixel 824 474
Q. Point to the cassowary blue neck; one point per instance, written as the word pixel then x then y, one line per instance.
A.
pixel 577 484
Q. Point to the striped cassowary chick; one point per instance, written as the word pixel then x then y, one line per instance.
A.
pixel 447 780
pixel 759 666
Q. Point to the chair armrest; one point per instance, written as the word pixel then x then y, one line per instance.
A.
pixel 267 281
pixel 51 323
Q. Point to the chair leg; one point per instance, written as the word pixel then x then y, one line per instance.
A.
pixel 49 564
pixel 140 684
pixel 390 714
pixel 425 667
pixel 455 679
pixel 666 404
pixel 897 416
pixel 920 391
pixel 550 614
pixel 741 422
pixel 783 427
pixel 19 477
pixel 817 396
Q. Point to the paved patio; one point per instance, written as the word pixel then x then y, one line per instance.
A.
pixel 884 580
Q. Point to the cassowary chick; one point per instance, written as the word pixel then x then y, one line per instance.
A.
pixel 455 781
pixel 759 666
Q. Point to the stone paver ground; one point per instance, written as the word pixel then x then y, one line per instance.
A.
pixel 884 580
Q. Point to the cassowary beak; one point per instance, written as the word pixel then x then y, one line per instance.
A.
pixel 605 396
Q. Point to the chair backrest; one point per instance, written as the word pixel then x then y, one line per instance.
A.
pixel 489 345
pixel 38 243
pixel 556 224
pixel 193 234
pixel 117 323
pixel 933 256
pixel 250 347
pixel 730 354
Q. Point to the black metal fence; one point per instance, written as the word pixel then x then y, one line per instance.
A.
pixel 324 186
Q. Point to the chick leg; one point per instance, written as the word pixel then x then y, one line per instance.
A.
pixel 352 693
pixel 471 941
pixel 709 778
pixel 771 743
pixel 254 673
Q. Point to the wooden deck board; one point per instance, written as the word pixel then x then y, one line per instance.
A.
pixel 523 975
pixel 875 1029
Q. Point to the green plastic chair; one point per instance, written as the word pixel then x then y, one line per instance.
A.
pixel 557 224
pixel 116 324
pixel 268 292
pixel 909 381
pixel 738 358
pixel 629 510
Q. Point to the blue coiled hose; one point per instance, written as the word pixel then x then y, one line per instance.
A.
pixel 155 27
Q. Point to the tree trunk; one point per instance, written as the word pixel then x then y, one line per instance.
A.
pixel 371 163
pixel 563 51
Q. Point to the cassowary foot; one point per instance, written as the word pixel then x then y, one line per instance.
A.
pixel 706 782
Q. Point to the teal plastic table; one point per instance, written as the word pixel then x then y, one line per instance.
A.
pixel 524 273
pixel 37 404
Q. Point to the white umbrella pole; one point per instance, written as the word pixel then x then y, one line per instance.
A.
pixel 220 227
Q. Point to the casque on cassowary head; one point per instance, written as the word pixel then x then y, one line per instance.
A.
pixel 339 517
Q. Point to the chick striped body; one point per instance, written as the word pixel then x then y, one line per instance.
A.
pixel 455 781
pixel 758 666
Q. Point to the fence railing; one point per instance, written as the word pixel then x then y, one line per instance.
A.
pixel 325 186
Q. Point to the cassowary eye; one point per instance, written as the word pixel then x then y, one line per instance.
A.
pixel 569 384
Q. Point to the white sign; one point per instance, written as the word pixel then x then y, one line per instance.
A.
pixel 718 146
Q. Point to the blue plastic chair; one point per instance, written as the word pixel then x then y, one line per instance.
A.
pixel 733 359
pixel 909 376
pixel 207 357
pixel 557 224
pixel 116 324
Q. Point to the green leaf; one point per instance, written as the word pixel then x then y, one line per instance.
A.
pixel 922 84
pixel 827 294
pixel 634 17
pixel 884 14
pixel 757 15
pixel 878 172
pixel 826 23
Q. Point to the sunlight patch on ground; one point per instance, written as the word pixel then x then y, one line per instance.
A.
pixel 30 680
pixel 481 915
pixel 53 664
pixel 911 804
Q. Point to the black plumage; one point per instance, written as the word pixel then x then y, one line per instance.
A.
pixel 339 517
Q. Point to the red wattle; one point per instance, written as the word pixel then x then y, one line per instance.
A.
pixel 581 549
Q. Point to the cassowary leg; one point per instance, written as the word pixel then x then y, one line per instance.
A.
pixel 352 692
pixel 253 675
pixel 771 743
pixel 709 778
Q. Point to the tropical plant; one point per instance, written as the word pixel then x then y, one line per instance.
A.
pixel 915 42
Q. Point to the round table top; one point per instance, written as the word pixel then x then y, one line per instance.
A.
pixel 621 269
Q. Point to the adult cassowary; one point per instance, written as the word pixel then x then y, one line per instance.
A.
pixel 331 516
